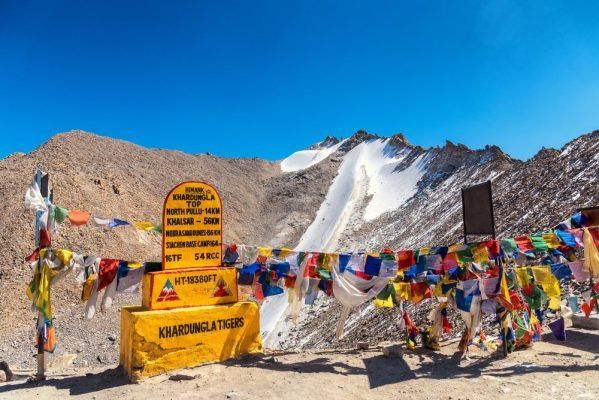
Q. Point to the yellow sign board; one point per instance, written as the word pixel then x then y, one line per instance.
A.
pixel 153 342
pixel 192 227
pixel 164 290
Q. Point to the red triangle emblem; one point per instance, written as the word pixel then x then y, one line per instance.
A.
pixel 168 292
pixel 221 289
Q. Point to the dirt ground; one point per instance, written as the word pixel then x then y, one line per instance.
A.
pixel 550 370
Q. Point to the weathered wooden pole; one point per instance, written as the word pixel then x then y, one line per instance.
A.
pixel 42 180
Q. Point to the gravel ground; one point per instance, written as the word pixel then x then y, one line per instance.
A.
pixel 550 370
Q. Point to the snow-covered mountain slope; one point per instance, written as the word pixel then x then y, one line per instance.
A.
pixel 374 172
pixel 306 158
pixel 387 192
pixel 373 191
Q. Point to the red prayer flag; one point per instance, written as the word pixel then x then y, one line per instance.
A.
pixel 529 290
pixel 587 308
pixel 524 243
pixel 450 261
pixel 446 325
pixel 493 248
pixel 107 272
pixel 311 266
pixel 405 259
pixel 420 291
pixel 515 300
pixel 33 256
pixel 258 291
pixel 290 281
pixel 595 235
pixel 45 239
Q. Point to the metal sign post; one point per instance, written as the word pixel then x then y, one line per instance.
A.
pixel 479 219
pixel 477 210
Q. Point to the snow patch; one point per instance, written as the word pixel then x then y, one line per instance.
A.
pixel 306 158
pixel 271 313
pixel 389 188
pixel 369 169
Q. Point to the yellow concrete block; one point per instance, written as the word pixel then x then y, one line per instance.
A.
pixel 154 342
pixel 165 290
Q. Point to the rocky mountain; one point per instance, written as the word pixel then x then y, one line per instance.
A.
pixel 389 193
pixel 359 193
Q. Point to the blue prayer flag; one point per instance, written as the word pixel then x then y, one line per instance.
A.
pixel 561 271
pixel 462 301
pixel 372 265
pixel 117 222
pixel 343 260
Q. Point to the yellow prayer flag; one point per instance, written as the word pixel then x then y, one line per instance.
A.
pixel 330 261
pixel 144 225
pixel 403 291
pixel 549 283
pixel 591 253
pixel 551 240
pixel 555 303
pixel 383 303
pixel 64 256
pixel 285 252
pixel 454 248
pixel 39 289
pixel 505 291
pixel 522 276
pixel 480 254
pixel 265 251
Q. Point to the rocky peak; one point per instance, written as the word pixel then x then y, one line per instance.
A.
pixel 492 153
pixel 328 141
pixel 360 136
pixel 399 140
pixel 545 154
pixel 455 147
pixel 448 159
pixel 457 153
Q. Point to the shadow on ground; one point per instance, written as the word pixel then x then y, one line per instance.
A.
pixel 382 370
pixel 577 339
pixel 379 369
pixel 76 385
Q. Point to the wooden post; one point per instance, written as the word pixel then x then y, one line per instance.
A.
pixel 42 181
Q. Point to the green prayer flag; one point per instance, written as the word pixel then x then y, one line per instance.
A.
pixel 59 213
pixel 323 273
pixel 320 259
pixel 537 299
pixel 386 292
pixel 300 257
pixel 509 246
pixel 539 243
pixel 465 255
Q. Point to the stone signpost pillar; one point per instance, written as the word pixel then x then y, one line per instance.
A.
pixel 190 312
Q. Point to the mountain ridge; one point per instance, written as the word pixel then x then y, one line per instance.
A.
pixel 370 192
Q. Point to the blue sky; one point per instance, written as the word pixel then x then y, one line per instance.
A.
pixel 266 78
